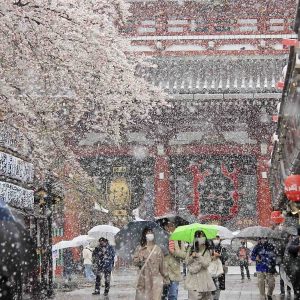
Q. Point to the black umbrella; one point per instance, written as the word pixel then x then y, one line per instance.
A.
pixel 176 219
pixel 129 237
pixel 16 245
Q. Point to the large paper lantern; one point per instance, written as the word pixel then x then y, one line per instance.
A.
pixel 292 187
pixel 277 217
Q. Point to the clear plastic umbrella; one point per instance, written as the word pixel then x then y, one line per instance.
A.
pixel 63 244
pixel 106 231
pixel 258 232
pixel 82 240
pixel 224 232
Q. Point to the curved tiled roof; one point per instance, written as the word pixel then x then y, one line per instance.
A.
pixel 202 75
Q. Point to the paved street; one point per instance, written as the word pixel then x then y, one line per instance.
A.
pixel 123 283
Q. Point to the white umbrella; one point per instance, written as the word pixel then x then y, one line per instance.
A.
pixel 82 240
pixel 236 232
pixel 226 242
pixel 106 231
pixel 224 232
pixel 62 245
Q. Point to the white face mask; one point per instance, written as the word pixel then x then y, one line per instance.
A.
pixel 150 237
pixel 216 242
pixel 201 240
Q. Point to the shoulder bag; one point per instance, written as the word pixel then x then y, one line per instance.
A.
pixel 215 268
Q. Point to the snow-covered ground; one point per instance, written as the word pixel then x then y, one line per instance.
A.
pixel 123 283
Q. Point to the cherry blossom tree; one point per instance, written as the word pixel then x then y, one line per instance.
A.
pixel 64 72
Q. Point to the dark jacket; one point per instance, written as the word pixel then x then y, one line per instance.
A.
pixel 267 257
pixel 103 258
pixel 293 247
pixel 221 250
pixel 68 261
pixel 292 264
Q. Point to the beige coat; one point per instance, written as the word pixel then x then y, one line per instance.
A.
pixel 172 262
pixel 87 256
pixel 198 279
pixel 150 279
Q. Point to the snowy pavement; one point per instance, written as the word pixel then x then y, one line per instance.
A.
pixel 123 283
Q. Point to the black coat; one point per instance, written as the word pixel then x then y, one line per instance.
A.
pixel 292 263
pixel 68 260
pixel 221 250
pixel 104 258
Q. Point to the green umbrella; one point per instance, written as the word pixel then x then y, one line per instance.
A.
pixel 187 232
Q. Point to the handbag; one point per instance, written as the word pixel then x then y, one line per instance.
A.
pixel 215 268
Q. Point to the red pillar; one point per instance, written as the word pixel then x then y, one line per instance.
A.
pixel 162 186
pixel 71 226
pixel 71 229
pixel 264 202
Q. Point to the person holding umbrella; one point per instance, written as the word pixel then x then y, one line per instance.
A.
pixel 172 263
pixel 293 249
pixel 149 258
pixel 103 260
pixel 87 254
pixel 199 282
pixel 68 263
pixel 264 255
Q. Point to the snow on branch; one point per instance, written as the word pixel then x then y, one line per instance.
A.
pixel 63 72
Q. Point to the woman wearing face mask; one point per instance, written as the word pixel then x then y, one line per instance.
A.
pixel 149 257
pixel 198 280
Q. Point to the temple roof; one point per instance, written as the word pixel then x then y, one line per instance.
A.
pixel 215 75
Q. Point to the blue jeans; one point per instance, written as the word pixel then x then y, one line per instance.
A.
pixel 173 290
pixel 89 275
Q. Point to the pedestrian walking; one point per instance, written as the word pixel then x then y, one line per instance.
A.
pixel 264 255
pixel 198 281
pixel 68 264
pixel 243 255
pixel 87 255
pixel 280 254
pixel 103 258
pixel 294 261
pixel 219 252
pixel 173 260
pixel 152 275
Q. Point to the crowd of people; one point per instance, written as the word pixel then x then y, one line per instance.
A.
pixel 205 262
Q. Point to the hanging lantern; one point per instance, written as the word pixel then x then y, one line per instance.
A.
pixel 292 187
pixel 277 217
